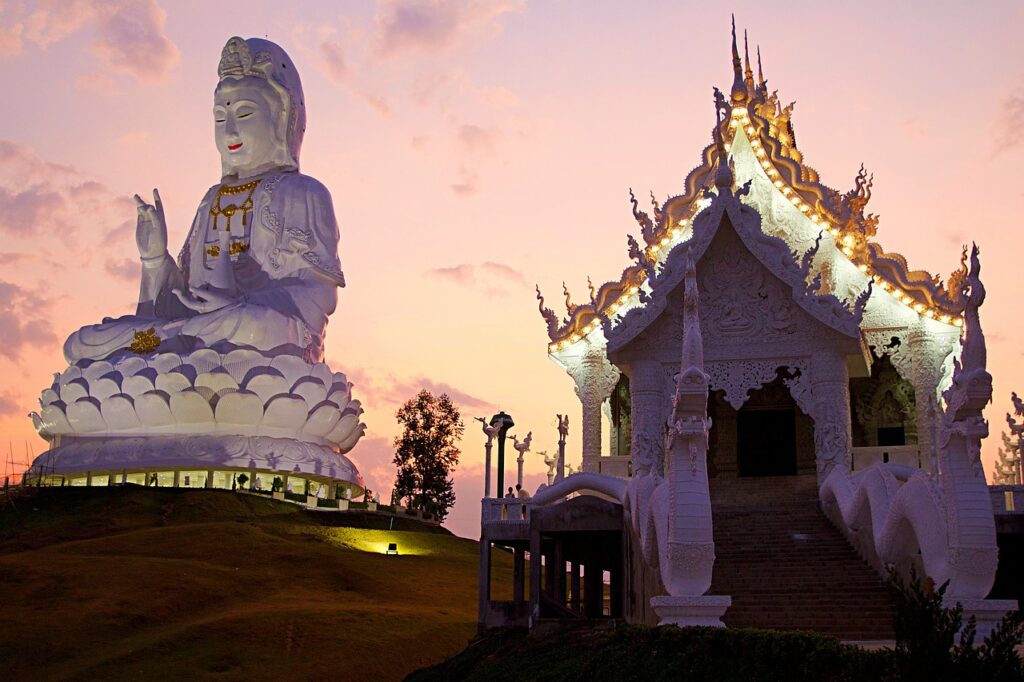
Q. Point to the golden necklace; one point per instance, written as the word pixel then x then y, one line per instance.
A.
pixel 231 209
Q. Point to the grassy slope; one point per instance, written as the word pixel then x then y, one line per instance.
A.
pixel 164 585
pixel 647 654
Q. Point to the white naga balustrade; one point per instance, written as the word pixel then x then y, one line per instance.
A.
pixel 894 514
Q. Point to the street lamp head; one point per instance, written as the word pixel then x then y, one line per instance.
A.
pixel 505 420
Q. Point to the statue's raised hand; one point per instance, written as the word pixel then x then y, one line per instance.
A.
pixel 151 228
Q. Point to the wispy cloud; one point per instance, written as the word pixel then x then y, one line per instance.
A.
pixel 126 269
pixel 39 197
pixel 1010 121
pixel 385 390
pixel 402 26
pixel 490 277
pixel 9 405
pixel 128 36
pixel 24 320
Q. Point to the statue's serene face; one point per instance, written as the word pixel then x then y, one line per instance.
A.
pixel 246 114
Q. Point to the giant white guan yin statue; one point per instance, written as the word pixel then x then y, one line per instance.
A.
pixel 225 349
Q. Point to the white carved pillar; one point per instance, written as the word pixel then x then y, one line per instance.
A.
pixel 595 378
pixel 648 413
pixel 830 386
pixel 928 353
pixel 613 441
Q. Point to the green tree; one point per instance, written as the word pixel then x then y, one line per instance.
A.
pixel 426 452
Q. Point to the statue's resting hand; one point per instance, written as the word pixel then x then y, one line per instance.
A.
pixel 151 228
pixel 203 299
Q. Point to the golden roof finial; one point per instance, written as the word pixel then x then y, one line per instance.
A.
pixel 739 88
pixel 748 75
pixel 760 74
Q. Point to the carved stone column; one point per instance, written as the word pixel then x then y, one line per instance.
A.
pixel 928 354
pixel 830 386
pixel 595 379
pixel 648 412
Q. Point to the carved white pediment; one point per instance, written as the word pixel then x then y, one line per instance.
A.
pixel 755 284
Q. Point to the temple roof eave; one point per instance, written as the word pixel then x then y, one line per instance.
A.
pixel 768 127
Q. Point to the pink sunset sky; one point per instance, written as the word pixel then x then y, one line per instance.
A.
pixel 475 148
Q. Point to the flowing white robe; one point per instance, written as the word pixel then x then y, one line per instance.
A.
pixel 286 279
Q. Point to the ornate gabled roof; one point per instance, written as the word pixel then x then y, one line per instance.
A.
pixel 768 127
pixel 773 253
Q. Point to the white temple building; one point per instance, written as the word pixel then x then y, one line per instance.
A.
pixel 790 410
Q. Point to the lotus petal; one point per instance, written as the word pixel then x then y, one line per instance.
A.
pixel 173 382
pixel 129 365
pixel 119 413
pixel 285 412
pixel 204 360
pixel 310 388
pixel 350 441
pixel 322 372
pixel 188 371
pixel 355 407
pixel 340 394
pixel 164 362
pixel 292 367
pixel 239 362
pixel 192 408
pixel 214 384
pixel 48 397
pixel 266 386
pixel 96 370
pixel 85 417
pixel 343 428
pixel 104 387
pixel 54 421
pixel 69 374
pixel 240 407
pixel 73 390
pixel 154 409
pixel 322 419
pixel 136 385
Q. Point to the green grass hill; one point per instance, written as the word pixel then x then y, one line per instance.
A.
pixel 154 584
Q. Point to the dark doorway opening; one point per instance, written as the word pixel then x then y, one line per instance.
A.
pixel 766 442
pixel 891 436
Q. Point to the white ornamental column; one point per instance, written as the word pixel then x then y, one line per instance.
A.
pixel 830 386
pixel 928 353
pixel 595 379
pixel 648 412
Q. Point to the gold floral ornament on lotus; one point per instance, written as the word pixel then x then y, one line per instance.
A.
pixel 145 342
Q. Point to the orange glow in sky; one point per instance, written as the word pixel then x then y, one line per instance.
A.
pixel 474 148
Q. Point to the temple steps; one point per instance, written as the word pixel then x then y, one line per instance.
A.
pixel 786 567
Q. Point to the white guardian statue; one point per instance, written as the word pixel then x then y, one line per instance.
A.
pixel 221 366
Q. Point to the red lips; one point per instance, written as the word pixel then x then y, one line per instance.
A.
pixel 233 147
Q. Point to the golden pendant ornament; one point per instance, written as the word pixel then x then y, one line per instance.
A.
pixel 231 209
pixel 145 342
pixel 213 251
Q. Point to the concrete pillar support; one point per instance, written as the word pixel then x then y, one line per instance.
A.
pixel 648 413
pixel 595 379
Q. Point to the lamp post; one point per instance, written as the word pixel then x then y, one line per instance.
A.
pixel 506 424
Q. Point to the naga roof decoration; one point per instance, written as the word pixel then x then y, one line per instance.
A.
pixel 768 126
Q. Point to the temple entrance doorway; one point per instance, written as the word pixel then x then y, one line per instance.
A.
pixel 769 436
pixel 766 442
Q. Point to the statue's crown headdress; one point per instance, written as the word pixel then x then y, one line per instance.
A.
pixel 237 61
pixel 263 59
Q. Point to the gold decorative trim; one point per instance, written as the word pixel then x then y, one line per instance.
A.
pixel 145 342
pixel 769 127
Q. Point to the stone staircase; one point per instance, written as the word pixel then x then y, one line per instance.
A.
pixel 786 567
